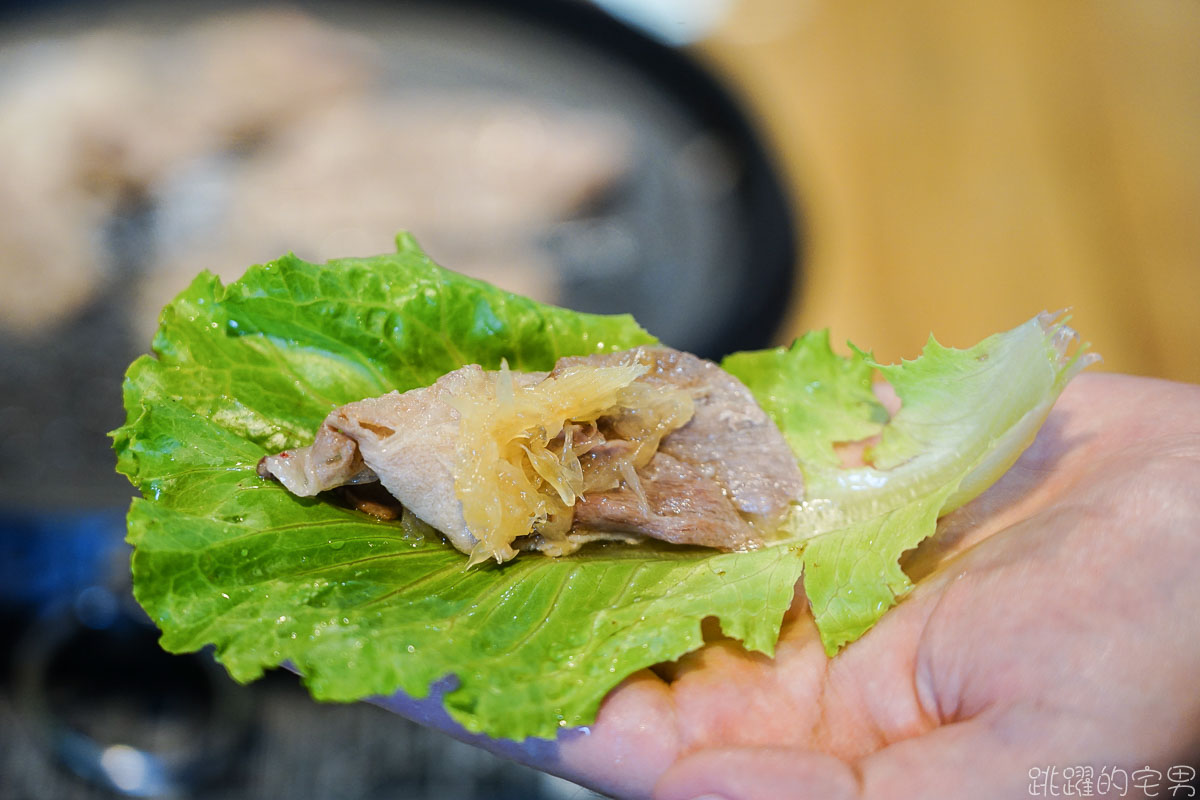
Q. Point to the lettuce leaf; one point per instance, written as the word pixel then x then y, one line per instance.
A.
pixel 966 416
pixel 358 606
pixel 362 608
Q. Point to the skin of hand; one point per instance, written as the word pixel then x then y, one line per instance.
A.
pixel 1055 622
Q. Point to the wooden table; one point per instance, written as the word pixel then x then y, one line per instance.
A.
pixel 962 166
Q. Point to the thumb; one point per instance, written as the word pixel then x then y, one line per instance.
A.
pixel 757 773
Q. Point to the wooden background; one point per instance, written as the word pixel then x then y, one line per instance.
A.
pixel 963 165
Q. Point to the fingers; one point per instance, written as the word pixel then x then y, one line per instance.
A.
pixel 757 773
pixel 634 739
pixel 966 759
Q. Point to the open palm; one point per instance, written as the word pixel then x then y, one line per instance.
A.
pixel 1055 623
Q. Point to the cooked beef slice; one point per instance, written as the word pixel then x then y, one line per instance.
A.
pixel 677 504
pixel 729 439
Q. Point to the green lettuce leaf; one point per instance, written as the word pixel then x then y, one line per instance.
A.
pixel 362 607
pixel 966 416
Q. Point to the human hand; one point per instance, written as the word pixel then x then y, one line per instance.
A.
pixel 1055 622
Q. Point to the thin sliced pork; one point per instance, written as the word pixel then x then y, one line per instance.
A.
pixel 649 442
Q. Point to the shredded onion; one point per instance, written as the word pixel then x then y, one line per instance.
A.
pixel 527 453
